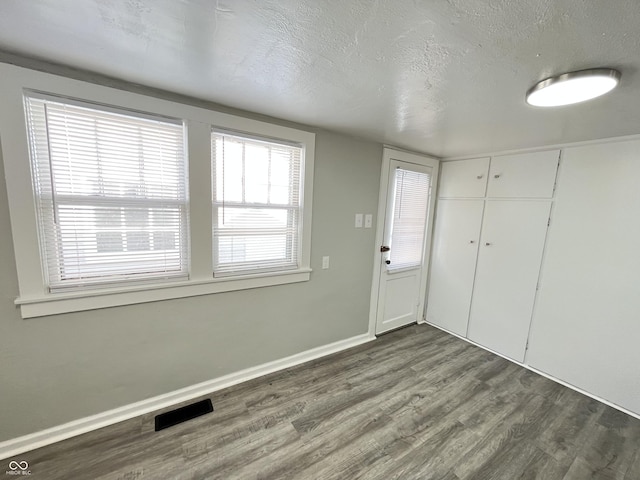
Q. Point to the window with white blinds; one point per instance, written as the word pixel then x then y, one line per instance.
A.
pixel 257 204
pixel 110 190
pixel 410 211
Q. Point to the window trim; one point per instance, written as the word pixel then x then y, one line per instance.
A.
pixel 53 304
pixel 34 300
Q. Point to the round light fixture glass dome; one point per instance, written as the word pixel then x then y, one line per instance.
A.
pixel 573 87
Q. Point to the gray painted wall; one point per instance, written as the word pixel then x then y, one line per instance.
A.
pixel 60 368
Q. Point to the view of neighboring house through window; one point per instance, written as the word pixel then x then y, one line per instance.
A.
pixel 257 204
pixel 111 195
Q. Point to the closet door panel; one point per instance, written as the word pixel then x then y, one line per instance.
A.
pixel 453 263
pixel 510 254
pixel 525 175
pixel 464 178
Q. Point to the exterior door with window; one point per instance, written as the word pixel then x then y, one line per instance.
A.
pixel 404 249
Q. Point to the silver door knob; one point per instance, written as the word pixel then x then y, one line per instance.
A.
pixel 472 241
pixel 487 244
pixel 479 177
pixel 496 175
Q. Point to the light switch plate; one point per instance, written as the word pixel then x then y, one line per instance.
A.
pixel 368 220
pixel 325 263
pixel 358 220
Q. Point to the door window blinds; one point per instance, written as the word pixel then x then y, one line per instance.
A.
pixel 110 191
pixel 410 210
pixel 257 204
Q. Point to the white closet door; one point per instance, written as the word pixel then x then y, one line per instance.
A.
pixel 453 263
pixel 513 236
pixel 523 175
pixel 464 178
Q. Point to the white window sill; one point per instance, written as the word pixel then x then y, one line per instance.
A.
pixel 56 303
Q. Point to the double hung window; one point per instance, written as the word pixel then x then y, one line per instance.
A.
pixel 118 198
pixel 257 209
pixel 110 192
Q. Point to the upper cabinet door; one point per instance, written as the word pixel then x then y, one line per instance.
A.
pixel 464 178
pixel 526 175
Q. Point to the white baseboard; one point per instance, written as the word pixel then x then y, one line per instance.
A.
pixel 539 372
pixel 55 434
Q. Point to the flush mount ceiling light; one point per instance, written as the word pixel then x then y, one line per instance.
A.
pixel 573 87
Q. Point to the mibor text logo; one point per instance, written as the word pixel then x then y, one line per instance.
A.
pixel 18 468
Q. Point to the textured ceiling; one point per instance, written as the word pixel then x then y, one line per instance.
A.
pixel 447 77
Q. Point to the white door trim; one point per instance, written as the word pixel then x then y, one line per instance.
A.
pixel 418 159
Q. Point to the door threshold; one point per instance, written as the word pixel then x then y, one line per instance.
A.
pixel 396 329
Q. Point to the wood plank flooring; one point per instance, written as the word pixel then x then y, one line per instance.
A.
pixel 415 404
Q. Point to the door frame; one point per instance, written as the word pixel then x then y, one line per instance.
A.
pixel 389 154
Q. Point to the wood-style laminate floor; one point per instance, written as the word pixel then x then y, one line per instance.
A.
pixel 415 404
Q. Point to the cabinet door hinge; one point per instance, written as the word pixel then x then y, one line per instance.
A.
pixel 549 222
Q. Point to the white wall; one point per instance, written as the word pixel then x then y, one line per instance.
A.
pixel 60 368
pixel 586 324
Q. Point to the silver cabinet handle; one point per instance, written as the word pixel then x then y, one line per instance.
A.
pixel 479 177
pixel 487 244
pixel 472 241
pixel 496 175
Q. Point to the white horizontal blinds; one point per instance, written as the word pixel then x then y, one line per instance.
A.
pixel 410 211
pixel 110 194
pixel 257 204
